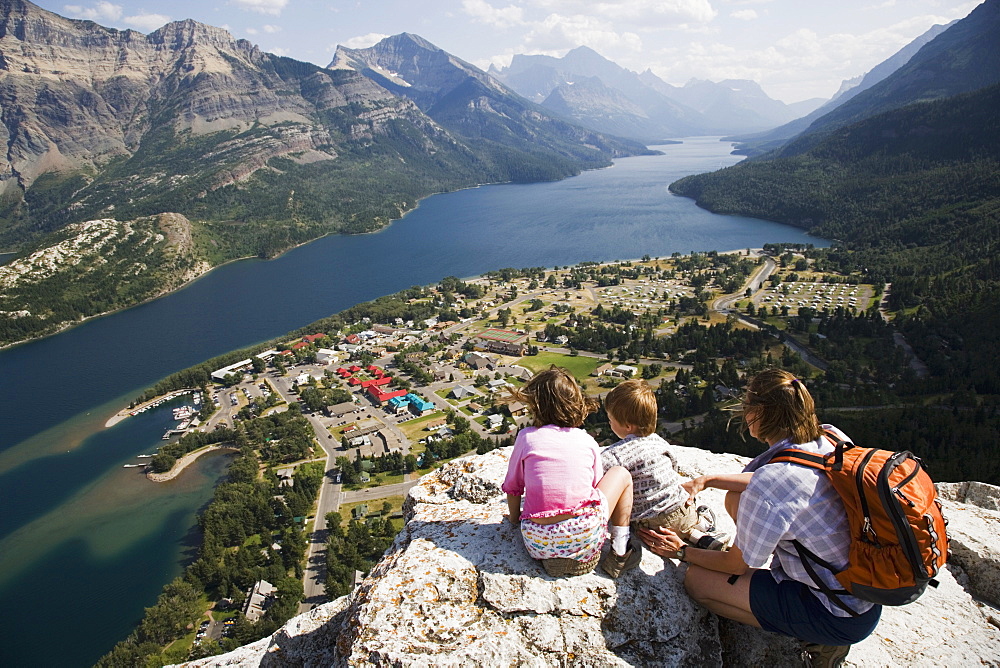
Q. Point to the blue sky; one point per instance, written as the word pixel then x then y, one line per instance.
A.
pixel 796 49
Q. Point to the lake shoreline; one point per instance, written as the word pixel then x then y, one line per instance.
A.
pixel 202 274
pixel 127 539
pixel 130 411
pixel 186 461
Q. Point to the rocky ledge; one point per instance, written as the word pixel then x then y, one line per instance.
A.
pixel 458 589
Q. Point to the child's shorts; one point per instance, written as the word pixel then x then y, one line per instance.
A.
pixel 579 538
pixel 682 519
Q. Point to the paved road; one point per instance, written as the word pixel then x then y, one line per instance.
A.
pixel 374 493
pixel 723 303
pixel 915 362
pixel 314 578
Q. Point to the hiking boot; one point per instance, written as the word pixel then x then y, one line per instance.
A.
pixel 706 522
pixel 614 565
pixel 712 541
pixel 824 656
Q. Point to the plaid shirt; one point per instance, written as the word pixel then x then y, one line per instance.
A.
pixel 786 502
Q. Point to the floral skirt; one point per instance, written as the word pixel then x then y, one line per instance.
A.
pixel 579 538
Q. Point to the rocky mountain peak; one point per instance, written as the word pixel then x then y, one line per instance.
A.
pixel 189 33
pixel 410 65
pixel 457 589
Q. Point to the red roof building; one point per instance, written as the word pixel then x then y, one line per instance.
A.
pixel 312 338
pixel 300 344
pixel 376 382
pixel 354 368
pixel 354 381
pixel 353 338
pixel 381 396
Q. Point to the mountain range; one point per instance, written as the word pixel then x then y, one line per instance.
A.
pixel 188 119
pixel 597 93
pixel 256 152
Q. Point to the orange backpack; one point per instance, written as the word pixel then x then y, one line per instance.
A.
pixel 898 537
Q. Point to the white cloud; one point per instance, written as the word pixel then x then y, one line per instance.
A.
pixel 885 5
pixel 272 29
pixel 261 6
pixel 252 31
pixel 744 14
pixel 801 64
pixel 147 21
pixel 365 41
pixel 102 11
pixel 558 32
pixel 279 52
pixel 644 12
pixel 483 12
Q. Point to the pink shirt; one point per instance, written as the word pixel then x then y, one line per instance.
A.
pixel 555 469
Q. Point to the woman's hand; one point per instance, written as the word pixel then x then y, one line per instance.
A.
pixel 662 541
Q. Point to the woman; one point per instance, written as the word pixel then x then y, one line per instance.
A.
pixel 772 506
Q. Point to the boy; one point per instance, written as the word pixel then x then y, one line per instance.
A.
pixel 659 498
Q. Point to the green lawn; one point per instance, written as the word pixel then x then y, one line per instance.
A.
pixel 412 428
pixel 444 394
pixel 374 507
pixel 579 366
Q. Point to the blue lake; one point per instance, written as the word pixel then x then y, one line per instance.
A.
pixel 72 515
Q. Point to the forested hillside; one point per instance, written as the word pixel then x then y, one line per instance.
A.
pixel 914 195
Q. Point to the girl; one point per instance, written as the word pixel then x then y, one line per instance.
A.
pixel 776 504
pixel 556 467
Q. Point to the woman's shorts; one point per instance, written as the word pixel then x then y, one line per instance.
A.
pixel 790 608
pixel 579 538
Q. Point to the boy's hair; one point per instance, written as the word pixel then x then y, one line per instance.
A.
pixel 781 406
pixel 633 403
pixel 554 397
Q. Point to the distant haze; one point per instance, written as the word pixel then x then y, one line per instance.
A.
pixel 795 50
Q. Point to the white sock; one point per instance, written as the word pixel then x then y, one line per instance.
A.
pixel 619 539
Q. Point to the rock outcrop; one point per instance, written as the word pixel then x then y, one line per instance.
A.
pixel 458 589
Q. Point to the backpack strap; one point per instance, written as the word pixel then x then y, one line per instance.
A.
pixel 800 457
pixel 840 446
pixel 806 556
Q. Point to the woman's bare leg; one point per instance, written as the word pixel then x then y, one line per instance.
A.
pixel 712 590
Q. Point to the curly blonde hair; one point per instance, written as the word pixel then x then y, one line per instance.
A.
pixel 554 397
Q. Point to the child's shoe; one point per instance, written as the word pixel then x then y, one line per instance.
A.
pixel 614 565
pixel 713 541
